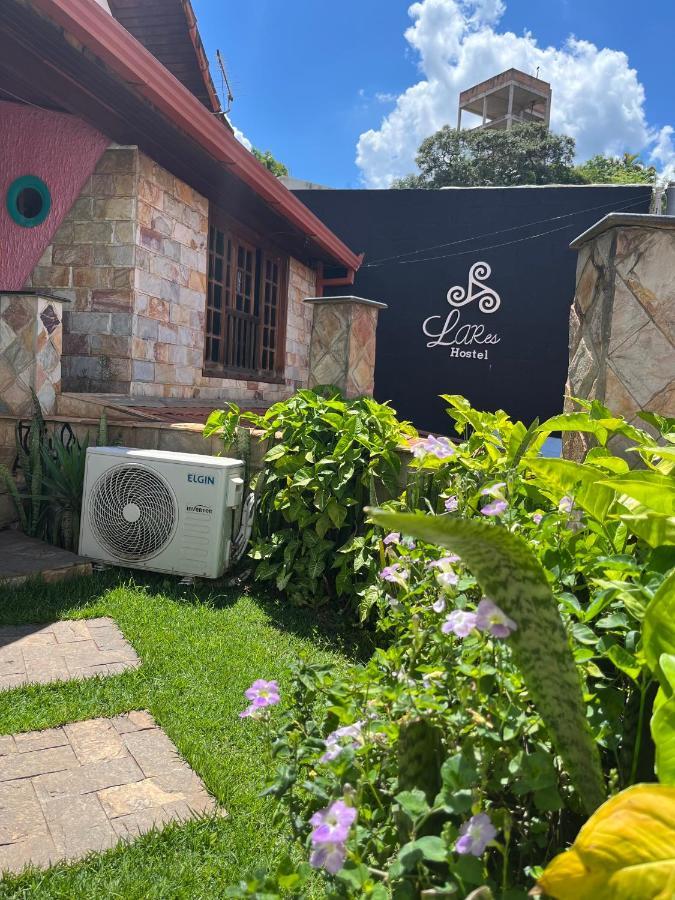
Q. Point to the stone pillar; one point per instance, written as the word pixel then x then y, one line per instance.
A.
pixel 622 321
pixel 342 345
pixel 30 352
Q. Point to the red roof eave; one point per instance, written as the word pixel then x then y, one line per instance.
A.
pixel 108 40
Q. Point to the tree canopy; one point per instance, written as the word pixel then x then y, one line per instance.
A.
pixel 265 157
pixel 525 154
pixel 627 169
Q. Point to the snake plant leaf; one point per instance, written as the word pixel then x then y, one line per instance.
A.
pixel 625 851
pixel 658 627
pixel 578 480
pixel 510 575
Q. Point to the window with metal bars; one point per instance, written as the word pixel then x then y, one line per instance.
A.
pixel 245 307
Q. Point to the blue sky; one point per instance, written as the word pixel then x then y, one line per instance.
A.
pixel 321 83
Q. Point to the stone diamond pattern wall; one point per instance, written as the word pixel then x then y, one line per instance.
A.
pixel 622 325
pixel 30 352
pixel 342 348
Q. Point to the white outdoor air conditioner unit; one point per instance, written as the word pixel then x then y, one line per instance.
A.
pixel 167 512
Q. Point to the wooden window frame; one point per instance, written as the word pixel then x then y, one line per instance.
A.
pixel 236 235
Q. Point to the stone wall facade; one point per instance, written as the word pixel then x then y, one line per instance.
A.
pixel 131 255
pixel 30 352
pixel 343 343
pixel 622 321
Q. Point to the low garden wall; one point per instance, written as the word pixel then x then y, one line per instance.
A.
pixel 179 438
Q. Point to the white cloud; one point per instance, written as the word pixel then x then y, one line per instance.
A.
pixel 597 97
pixel 241 137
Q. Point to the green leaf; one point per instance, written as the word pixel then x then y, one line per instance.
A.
pixel 624 661
pixel 580 481
pixel 433 848
pixel 658 626
pixel 663 724
pixel 648 488
pixel 413 803
pixel 510 574
pixel 655 530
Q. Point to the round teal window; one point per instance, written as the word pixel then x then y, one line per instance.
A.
pixel 28 201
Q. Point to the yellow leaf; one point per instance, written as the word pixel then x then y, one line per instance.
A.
pixel 625 851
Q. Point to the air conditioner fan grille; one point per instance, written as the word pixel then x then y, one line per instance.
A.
pixel 132 512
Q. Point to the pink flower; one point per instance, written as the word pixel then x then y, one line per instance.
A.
pixel 440 447
pixel 496 508
pixel 489 617
pixel 459 622
pixel 261 694
pixel 393 538
pixel 451 504
pixel 331 825
pixel 395 573
pixel 566 504
pixel 447 579
pixel 475 835
pixel 330 857
pixel 494 490
pixel 537 517
pixel 349 736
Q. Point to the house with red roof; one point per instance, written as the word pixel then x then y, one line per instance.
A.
pixel 177 262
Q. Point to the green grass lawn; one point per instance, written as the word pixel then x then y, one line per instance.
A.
pixel 200 649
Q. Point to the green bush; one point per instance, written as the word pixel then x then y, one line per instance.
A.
pixel 514 682
pixel 328 459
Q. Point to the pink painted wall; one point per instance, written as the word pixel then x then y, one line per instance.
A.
pixel 60 149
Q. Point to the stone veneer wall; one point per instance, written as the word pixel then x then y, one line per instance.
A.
pixel 131 255
pixel 91 262
pixel 622 321
pixel 30 352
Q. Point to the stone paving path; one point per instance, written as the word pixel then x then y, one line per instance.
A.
pixel 64 650
pixel 67 791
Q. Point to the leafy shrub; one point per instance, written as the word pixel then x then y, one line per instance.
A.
pixel 463 743
pixel 328 459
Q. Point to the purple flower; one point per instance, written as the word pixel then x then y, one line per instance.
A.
pixel 330 857
pixel 496 508
pixel 447 579
pixel 336 743
pixel 444 563
pixel 393 538
pixel 440 447
pixel 537 517
pixel 395 573
pixel 438 606
pixel 566 504
pixel 494 490
pixel 408 542
pixel 576 520
pixel 489 617
pixel 451 504
pixel 331 825
pixel 261 694
pixel 459 622
pixel 475 835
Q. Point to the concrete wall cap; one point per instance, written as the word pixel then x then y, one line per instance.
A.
pixel 623 220
pixel 346 299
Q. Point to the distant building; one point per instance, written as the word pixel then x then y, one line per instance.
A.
pixel 513 97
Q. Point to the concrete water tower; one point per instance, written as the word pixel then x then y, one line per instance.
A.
pixel 511 98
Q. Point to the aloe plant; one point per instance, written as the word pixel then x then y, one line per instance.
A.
pixel 508 572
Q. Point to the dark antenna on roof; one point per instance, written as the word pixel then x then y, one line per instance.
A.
pixel 224 82
pixel 537 75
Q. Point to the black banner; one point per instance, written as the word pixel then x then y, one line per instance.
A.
pixel 479 283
